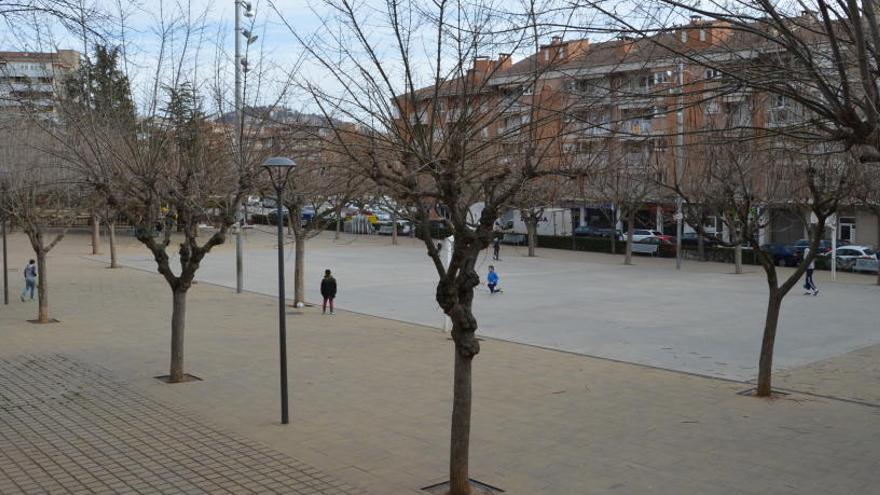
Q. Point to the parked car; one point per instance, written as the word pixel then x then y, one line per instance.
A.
pixel 691 239
pixel 665 240
pixel 587 231
pixel 782 255
pixel 403 228
pixel 590 231
pixel 824 245
pixel 515 239
pixel 639 234
pixel 848 255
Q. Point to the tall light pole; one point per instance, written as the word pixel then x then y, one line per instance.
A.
pixel 279 169
pixel 679 162
pixel 240 66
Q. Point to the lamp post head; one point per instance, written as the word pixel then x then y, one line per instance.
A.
pixel 278 162
pixel 279 168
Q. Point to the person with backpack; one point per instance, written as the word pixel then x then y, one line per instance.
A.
pixel 30 279
pixel 328 291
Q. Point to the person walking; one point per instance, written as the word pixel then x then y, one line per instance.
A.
pixel 496 249
pixel 809 285
pixel 328 291
pixel 492 280
pixel 30 279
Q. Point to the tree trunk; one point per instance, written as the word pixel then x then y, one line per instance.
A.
pixel 339 222
pixel 394 228
pixel 42 289
pixel 459 483
pixel 701 248
pixel 765 364
pixel 877 214
pixel 111 229
pixel 96 234
pixel 299 271
pixel 631 220
pixel 178 323
pixel 532 227
pixel 738 258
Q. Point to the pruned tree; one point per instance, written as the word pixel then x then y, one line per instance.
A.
pixel 38 196
pixel 628 181
pixel 167 162
pixel 754 179
pixel 317 191
pixel 431 133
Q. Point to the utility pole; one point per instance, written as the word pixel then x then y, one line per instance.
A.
pixel 240 65
pixel 679 164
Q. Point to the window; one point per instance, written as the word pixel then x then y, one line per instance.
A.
pixel 684 36
pixel 780 101
pixel 712 108
pixel 712 74
pixel 655 78
pixel 702 35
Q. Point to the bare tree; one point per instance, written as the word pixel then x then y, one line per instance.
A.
pixel 430 133
pixel 39 197
pixel 167 166
pixel 753 180
pixel 628 182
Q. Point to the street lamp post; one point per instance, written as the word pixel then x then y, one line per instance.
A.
pixel 279 169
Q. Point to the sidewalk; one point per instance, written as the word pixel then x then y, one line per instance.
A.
pixel 370 397
pixel 69 428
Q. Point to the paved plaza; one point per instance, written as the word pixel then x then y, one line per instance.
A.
pixel 371 396
pixel 697 321
pixel 66 427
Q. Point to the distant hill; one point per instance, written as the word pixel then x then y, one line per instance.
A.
pixel 279 115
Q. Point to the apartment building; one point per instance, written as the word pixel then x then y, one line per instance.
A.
pixel 33 80
pixel 615 105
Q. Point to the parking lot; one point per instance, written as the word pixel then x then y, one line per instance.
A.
pixel 702 320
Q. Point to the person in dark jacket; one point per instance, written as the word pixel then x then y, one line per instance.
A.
pixel 328 291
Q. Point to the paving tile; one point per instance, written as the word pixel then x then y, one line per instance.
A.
pixel 100 444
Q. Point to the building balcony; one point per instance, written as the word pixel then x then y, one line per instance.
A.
pixel 637 128
pixel 588 129
pixel 783 117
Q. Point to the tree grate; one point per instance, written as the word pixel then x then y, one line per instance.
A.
pixel 479 488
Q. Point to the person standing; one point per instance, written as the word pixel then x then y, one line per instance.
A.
pixel 30 279
pixel 809 285
pixel 328 291
pixel 496 249
pixel 492 280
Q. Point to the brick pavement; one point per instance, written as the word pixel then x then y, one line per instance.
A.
pixel 66 427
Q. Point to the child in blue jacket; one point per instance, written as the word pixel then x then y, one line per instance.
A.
pixel 492 278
